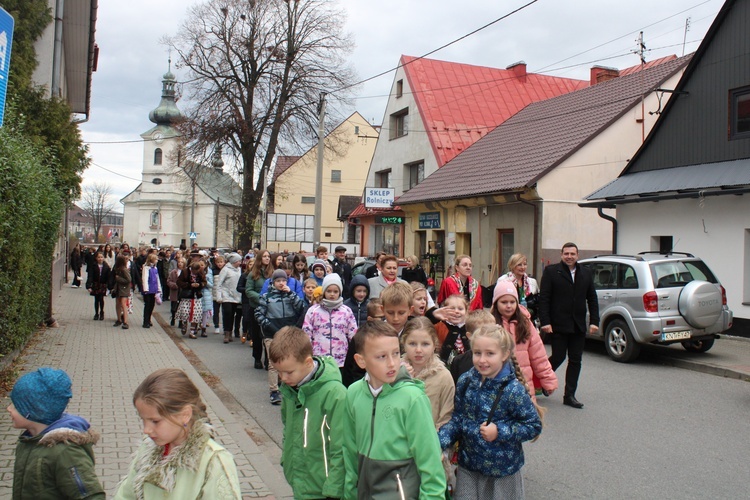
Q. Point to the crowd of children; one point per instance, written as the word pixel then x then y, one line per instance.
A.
pixel 377 394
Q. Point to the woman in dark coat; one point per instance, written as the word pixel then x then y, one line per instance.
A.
pixel 97 283
pixel 76 262
pixel 414 271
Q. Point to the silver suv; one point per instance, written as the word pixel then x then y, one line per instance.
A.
pixel 656 298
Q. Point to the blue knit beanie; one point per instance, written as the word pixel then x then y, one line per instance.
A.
pixel 42 395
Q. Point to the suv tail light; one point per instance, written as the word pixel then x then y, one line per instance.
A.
pixel 651 302
pixel 723 296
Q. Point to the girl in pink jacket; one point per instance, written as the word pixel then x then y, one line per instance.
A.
pixel 330 324
pixel 530 352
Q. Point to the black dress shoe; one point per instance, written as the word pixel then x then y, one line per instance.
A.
pixel 101 316
pixel 96 317
pixel 572 401
pixel 258 365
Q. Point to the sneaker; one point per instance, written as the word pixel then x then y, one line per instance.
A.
pixel 275 398
pixel 125 326
pixel 117 323
pixel 217 330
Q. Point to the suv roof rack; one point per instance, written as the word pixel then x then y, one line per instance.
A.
pixel 667 254
pixel 634 257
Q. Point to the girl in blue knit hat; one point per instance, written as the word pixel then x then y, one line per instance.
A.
pixel 54 455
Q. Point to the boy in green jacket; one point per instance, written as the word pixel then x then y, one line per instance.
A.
pixel 312 411
pixel 54 456
pixel 391 449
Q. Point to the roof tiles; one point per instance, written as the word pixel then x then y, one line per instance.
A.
pixel 525 147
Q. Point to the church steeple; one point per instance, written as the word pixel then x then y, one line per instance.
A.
pixel 167 112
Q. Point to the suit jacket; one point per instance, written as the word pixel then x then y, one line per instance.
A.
pixel 562 303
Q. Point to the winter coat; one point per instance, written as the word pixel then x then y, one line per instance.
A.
pixel 515 417
pixel 227 284
pixel 562 302
pixel 97 281
pixel 330 331
pixel 122 283
pixel 253 287
pixel 417 274
pixel 358 308
pixel 241 286
pixel 198 468
pixel 150 280
pixel 214 271
pixel 185 281
pixel 313 417
pixel 440 389
pixel 76 261
pixel 293 284
pixel 378 284
pixel 207 292
pixel 532 357
pixel 453 340
pixel 276 310
pixel 391 449
pixel 58 463
pixel 174 290
pixel 452 285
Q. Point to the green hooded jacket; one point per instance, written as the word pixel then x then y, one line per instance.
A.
pixel 313 418
pixel 391 448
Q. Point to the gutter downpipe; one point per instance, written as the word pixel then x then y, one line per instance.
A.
pixel 599 210
pixel 57 49
pixel 535 206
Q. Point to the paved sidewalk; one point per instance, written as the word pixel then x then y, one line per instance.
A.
pixel 106 364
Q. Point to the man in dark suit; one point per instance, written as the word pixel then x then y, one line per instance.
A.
pixel 567 288
pixel 342 268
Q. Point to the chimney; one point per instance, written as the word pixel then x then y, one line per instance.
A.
pixel 601 74
pixel 519 70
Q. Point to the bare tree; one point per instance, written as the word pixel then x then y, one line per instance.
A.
pixel 96 201
pixel 257 69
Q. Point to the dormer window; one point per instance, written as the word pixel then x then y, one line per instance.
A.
pixel 157 156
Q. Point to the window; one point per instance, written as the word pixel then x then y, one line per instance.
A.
pixel 399 123
pixel 605 274
pixel 506 243
pixel 416 173
pixel 290 227
pixel 155 219
pixel 310 200
pixel 157 156
pixel 383 178
pixel 628 278
pixel 335 175
pixel 399 88
pixel 739 113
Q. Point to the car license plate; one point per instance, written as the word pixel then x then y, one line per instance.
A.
pixel 675 335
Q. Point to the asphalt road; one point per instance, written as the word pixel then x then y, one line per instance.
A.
pixel 647 430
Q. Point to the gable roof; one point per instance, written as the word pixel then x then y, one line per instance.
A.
pixel 460 103
pixel 282 164
pixel 534 141
pixel 347 204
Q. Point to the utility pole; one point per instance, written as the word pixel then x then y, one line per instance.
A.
pixel 684 36
pixel 641 51
pixel 319 171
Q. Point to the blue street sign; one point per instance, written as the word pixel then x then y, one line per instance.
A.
pixel 6 41
pixel 192 236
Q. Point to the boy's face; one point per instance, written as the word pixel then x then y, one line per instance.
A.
pixel 397 315
pixel 309 289
pixel 381 358
pixel 19 421
pixel 378 314
pixel 332 293
pixel 319 272
pixel 420 302
pixel 279 283
pixel 322 255
pixel 292 371
pixel 359 293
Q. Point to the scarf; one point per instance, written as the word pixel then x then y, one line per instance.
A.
pixel 472 283
pixel 330 305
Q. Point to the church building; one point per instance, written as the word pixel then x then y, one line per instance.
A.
pixel 179 201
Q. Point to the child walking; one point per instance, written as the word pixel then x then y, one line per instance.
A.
pixel 359 294
pixel 97 283
pixel 178 457
pixel 419 343
pixel 190 313
pixel 151 288
pixel 174 290
pixel 312 410
pixel 530 351
pixel 122 288
pixel 54 455
pixel 330 324
pixel 391 449
pixel 493 415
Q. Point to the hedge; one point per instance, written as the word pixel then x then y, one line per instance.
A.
pixel 30 215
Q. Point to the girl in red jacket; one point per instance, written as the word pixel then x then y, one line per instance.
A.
pixel 530 352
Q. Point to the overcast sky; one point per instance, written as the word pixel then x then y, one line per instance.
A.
pixel 556 37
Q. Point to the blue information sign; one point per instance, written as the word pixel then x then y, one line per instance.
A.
pixel 6 41
pixel 429 220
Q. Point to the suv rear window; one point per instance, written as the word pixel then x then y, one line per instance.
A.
pixel 679 273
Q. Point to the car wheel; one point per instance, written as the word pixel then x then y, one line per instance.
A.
pixel 698 345
pixel 619 342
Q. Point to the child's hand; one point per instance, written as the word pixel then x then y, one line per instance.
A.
pixel 488 432
pixel 195 285
pixel 89 290
pixel 408 367
pixel 286 289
